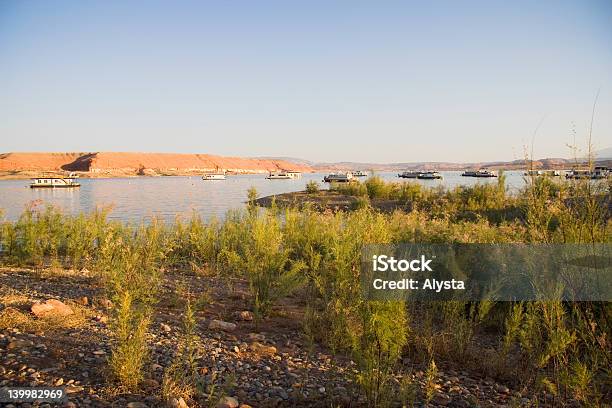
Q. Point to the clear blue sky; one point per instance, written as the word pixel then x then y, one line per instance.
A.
pixel 375 81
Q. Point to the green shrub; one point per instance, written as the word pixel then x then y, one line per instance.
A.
pixel 312 187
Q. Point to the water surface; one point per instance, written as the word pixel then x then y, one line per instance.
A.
pixel 137 198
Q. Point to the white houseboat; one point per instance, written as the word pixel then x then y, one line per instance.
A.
pixel 213 176
pixel 429 175
pixel 55 181
pixel 479 173
pixel 338 178
pixel 598 173
pixel 284 175
pixel 359 173
pixel 409 174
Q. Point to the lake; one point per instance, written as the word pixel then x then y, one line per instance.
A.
pixel 137 198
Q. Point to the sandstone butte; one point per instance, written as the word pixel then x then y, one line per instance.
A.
pixel 107 164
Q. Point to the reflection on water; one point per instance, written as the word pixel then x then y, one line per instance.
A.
pixel 133 199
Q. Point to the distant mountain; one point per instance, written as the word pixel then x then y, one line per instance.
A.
pixel 301 162
pixel 547 163
pixel 130 163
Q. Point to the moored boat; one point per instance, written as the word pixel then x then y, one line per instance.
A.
pixel 409 174
pixel 359 173
pixel 284 175
pixel 479 173
pixel 214 176
pixel 55 181
pixel 552 173
pixel 429 175
pixel 338 178
pixel 598 173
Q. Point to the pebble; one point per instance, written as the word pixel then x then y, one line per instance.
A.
pixel 137 404
pixel 227 402
pixel 221 325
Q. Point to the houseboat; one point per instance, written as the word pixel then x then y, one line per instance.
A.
pixel 409 174
pixel 338 178
pixel 294 174
pixel 429 175
pixel 284 175
pixel 359 173
pixel 598 173
pixel 214 176
pixel 55 181
pixel 479 173
pixel 552 173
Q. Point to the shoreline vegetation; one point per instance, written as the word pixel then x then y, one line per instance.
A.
pixel 265 307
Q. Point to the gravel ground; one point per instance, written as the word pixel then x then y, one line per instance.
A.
pixel 266 366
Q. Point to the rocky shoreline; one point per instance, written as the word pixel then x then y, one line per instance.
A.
pixel 267 366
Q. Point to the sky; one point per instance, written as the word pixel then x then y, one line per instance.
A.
pixel 376 81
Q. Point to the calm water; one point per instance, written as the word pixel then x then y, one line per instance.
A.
pixel 133 199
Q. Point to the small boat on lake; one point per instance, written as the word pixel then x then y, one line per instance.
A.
pixel 338 178
pixel 284 175
pixel 214 176
pixel 479 173
pixel 598 173
pixel 429 175
pixel 553 173
pixel 409 174
pixel 359 173
pixel 55 181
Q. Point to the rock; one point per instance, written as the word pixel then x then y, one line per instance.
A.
pixel 19 344
pixel 259 348
pixel 221 325
pixel 244 315
pixel 227 402
pixel 137 404
pixel 165 328
pixel 322 390
pixel 257 336
pixel 70 404
pixel 150 383
pixel 51 307
pixel 441 399
pixel 502 389
pixel 102 319
pixel 245 406
pixel 178 403
pixel 105 303
pixel 71 389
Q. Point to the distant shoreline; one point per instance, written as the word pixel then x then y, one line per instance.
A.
pixel 129 164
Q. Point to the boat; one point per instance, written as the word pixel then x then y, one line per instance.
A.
pixel 479 173
pixel 409 174
pixel 338 178
pixel 601 172
pixel 294 174
pixel 213 176
pixel 598 173
pixel 359 173
pixel 55 181
pixel 429 175
pixel 284 175
pixel 552 173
